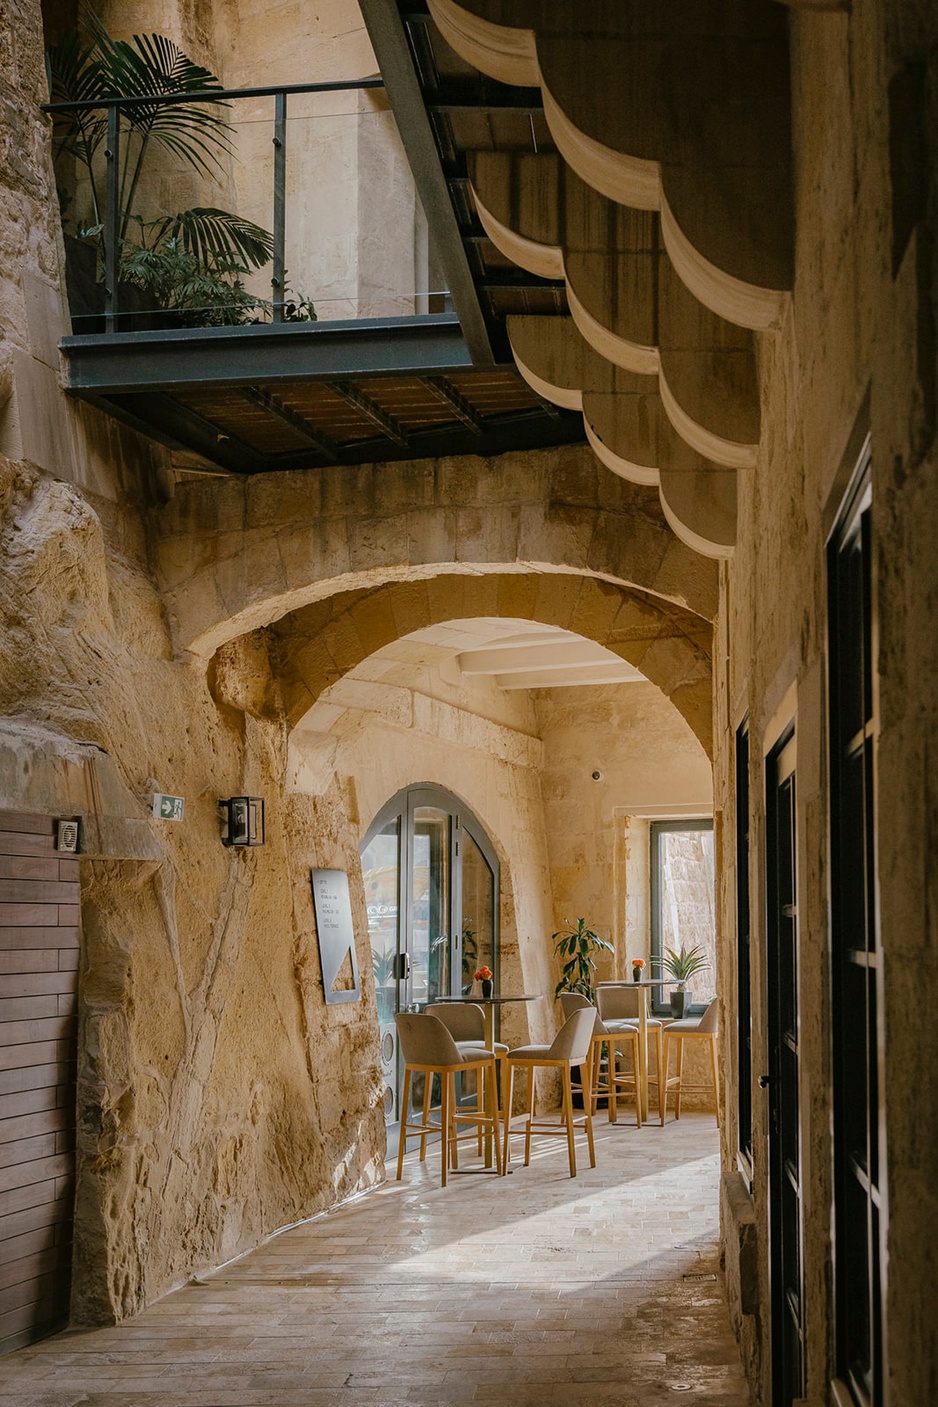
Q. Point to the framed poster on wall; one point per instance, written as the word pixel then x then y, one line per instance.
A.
pixel 333 910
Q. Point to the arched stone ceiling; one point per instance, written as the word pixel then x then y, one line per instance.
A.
pixel 682 108
pixel 236 554
pixel 625 297
pixel 315 646
pixel 668 213
pixel 628 428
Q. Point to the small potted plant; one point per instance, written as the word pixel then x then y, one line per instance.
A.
pixel 638 965
pixel 682 965
pixel 484 975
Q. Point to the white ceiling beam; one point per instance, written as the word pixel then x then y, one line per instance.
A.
pixel 574 679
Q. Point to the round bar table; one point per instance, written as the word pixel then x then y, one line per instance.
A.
pixel 488 1005
pixel 643 986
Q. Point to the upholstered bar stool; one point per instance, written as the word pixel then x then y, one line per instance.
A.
pixel 704 1028
pixel 428 1048
pixel 466 1024
pixel 613 1036
pixel 619 1004
pixel 571 1046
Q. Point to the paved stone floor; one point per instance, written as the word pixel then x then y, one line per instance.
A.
pixel 533 1289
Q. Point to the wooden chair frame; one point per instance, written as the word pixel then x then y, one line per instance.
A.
pixel 451 1114
pixel 675 1083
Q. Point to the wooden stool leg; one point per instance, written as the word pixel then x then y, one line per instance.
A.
pixel 403 1137
pixel 716 1086
pixel 662 1076
pixel 611 1082
pixel 588 1120
pixel 492 1078
pixel 446 1121
pixel 425 1116
pixel 530 1117
pixel 506 1156
pixel 568 1117
pixel 454 1125
pixel 596 1060
pixel 638 1102
pixel 679 1070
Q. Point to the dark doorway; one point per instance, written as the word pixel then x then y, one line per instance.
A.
pixel 786 1272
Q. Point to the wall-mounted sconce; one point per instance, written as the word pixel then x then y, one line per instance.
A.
pixel 242 819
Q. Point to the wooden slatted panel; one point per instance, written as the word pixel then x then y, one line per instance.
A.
pixel 495 392
pixel 39 908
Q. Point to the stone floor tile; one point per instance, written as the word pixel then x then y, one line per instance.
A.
pixel 533 1289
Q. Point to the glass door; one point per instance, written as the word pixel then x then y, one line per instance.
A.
pixel 431 891
pixel 429 942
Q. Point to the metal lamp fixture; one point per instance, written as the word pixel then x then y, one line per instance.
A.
pixel 242 819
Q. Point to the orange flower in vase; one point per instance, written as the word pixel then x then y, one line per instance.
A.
pixel 638 965
pixel 484 975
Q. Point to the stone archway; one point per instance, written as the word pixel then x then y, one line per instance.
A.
pixel 238 554
pixel 315 646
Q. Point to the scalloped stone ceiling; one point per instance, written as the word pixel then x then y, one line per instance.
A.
pixel 668 213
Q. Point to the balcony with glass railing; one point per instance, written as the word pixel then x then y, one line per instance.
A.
pixel 251 276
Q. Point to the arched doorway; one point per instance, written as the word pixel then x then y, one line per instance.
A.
pixel 431 889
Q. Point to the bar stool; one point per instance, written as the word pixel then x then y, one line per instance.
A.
pixel 466 1024
pixel 620 1004
pixel 571 1046
pixel 703 1028
pixel 612 1035
pixel 428 1048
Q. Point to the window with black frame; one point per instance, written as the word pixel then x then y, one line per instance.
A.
pixel 855 952
pixel 682 905
pixel 743 989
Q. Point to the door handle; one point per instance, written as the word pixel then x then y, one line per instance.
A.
pixel 401 966
pixel 764 1081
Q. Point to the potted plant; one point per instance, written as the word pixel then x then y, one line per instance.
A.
pixel 682 965
pixel 578 946
pixel 190 264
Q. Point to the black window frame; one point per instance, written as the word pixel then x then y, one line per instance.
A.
pixel 660 1003
pixel 855 950
pixel 743 959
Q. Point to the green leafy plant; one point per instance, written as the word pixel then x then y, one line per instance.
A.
pixel 192 259
pixel 577 945
pixel 682 965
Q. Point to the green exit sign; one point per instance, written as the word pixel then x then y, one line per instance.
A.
pixel 168 808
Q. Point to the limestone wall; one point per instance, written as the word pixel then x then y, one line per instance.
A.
pixel 650 765
pixel 860 323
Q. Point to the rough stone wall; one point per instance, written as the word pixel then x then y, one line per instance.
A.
pixel 861 320
pixel 650 763
pixel 208 1116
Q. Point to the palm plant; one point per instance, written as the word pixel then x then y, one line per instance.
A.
pixel 221 246
pixel 578 944
pixel 683 964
